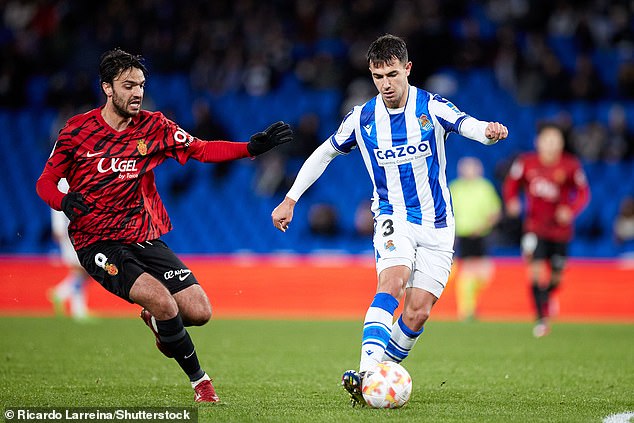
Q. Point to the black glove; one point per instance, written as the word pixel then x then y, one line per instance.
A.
pixel 73 205
pixel 274 135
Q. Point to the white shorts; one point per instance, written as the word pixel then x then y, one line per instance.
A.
pixel 69 256
pixel 428 252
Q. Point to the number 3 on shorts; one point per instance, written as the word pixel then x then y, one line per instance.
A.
pixel 388 226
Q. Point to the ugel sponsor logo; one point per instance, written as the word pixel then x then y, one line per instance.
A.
pixel 116 165
pixel 402 153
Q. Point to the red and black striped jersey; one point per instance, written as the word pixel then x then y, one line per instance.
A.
pixel 113 170
pixel 546 188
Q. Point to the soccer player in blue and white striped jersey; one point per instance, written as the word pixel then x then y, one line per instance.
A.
pixel 401 136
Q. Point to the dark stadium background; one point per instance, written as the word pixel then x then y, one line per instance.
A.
pixel 225 69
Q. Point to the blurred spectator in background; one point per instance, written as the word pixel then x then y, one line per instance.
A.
pixel 507 59
pixel 588 140
pixel 271 172
pixel 474 50
pixel 364 219
pixel 207 127
pixel 585 83
pixel 620 140
pixel 556 191
pixel 555 80
pixel 270 176
pixel 71 289
pixel 323 219
pixel 12 81
pixel 306 136
pixel 246 46
pixel 626 80
pixel 624 227
pixel 477 207
pixel 76 90
pixel 359 91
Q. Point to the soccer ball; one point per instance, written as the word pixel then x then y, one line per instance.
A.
pixel 386 385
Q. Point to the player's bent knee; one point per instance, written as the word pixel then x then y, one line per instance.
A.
pixel 198 315
pixel 202 316
pixel 163 308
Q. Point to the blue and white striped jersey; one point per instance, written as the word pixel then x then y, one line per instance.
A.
pixel 404 153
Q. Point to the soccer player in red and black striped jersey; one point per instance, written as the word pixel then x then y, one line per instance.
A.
pixel 117 218
pixel 556 191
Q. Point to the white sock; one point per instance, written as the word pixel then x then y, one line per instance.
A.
pixel 196 382
pixel 401 341
pixel 376 329
pixel 78 306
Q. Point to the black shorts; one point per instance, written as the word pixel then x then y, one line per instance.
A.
pixel 116 266
pixel 471 246
pixel 544 249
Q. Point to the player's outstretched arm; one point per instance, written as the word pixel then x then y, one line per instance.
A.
pixel 276 134
pixel 283 214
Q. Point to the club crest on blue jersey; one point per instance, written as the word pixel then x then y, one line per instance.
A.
pixel 425 123
pixel 389 245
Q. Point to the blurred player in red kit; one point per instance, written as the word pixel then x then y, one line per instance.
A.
pixel 556 191
pixel 107 155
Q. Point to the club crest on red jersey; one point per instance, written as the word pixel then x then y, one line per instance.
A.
pixel 141 147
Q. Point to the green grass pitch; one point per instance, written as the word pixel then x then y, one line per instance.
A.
pixel 288 371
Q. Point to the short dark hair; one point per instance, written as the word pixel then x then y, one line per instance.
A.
pixel 117 60
pixel 543 125
pixel 549 124
pixel 385 49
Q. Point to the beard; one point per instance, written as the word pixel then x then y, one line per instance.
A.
pixel 120 107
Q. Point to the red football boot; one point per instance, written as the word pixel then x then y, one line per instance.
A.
pixel 205 392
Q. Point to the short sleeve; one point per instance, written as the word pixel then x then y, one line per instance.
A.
pixel 179 144
pixel 344 140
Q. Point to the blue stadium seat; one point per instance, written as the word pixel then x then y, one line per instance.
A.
pixel 566 50
pixel 606 62
pixel 36 90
